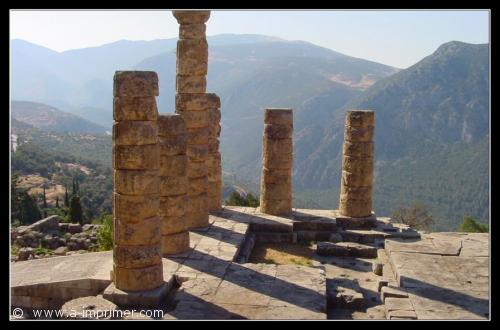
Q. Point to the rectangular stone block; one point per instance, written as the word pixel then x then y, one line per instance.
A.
pixel 173 185
pixel 276 175
pixel 132 157
pixel 171 125
pixel 172 225
pixel 358 134
pixel 214 189
pixel 275 206
pixel 197 152
pixel 143 232
pixel 173 146
pixel 137 256
pixel 357 164
pixel 193 102
pixel 135 133
pixel 359 178
pixel 192 57
pixel 360 118
pixel 135 108
pixel 197 212
pixel 194 119
pixel 277 148
pixel 355 208
pixel 134 182
pixel 358 149
pixel 173 206
pixel 135 83
pixel 276 132
pixel 276 190
pixel 175 243
pixel 132 209
pixel 213 146
pixel 278 116
pixel 191 16
pixel 191 84
pixel 173 165
pixel 137 279
pixel 198 136
pixel 355 193
pixel 197 169
pixel 192 31
pixel 197 186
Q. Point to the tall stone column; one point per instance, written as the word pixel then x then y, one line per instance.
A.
pixel 137 262
pixel 173 184
pixel 214 166
pixel 357 164
pixel 193 104
pixel 277 157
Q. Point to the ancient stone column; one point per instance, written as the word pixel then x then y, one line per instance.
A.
pixel 173 184
pixel 193 104
pixel 277 157
pixel 214 167
pixel 136 242
pixel 357 164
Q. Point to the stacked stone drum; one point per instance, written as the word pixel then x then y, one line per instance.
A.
pixel 173 184
pixel 193 104
pixel 136 251
pixel 214 167
pixel 277 157
pixel 357 164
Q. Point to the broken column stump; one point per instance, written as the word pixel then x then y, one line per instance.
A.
pixel 277 157
pixel 173 184
pixel 137 265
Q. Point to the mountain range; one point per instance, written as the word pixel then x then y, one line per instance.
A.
pixel 430 118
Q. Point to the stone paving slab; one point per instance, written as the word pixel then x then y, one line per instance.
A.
pixel 446 275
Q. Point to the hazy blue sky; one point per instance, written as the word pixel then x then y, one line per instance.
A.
pixel 397 38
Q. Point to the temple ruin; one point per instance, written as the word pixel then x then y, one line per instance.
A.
pixel 174 238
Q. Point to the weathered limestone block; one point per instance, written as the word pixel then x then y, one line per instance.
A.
pixel 135 133
pixel 355 193
pixel 173 206
pixel 191 84
pixel 356 164
pixel 137 256
pixel 173 225
pixel 358 149
pixel 173 165
pixel 355 208
pixel 197 169
pixel 277 158
pixel 197 152
pixel 359 134
pixel 139 233
pixel 132 209
pixel 173 185
pixel 198 135
pixel 197 211
pixel 197 186
pixel 360 118
pixel 194 119
pixel 191 16
pixel 135 108
pixel 190 102
pixel 171 126
pixel 213 146
pixel 135 84
pixel 136 182
pixel 192 31
pixel 134 157
pixel 361 178
pixel 172 146
pixel 176 243
pixel 138 279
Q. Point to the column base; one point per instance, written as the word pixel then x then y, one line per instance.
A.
pixel 348 222
pixel 148 298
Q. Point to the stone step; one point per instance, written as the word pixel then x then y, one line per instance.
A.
pixel 344 293
pixel 362 236
pixel 315 225
pixel 346 249
pixel 275 237
pixel 308 236
pixel 270 226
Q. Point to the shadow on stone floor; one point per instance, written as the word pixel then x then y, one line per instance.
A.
pixel 258 282
pixel 222 234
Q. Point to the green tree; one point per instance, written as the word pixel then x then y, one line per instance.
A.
pixel 57 201
pixel 416 216
pixel 238 200
pixel 28 209
pixel 105 233
pixel 44 199
pixel 15 197
pixel 66 197
pixel 75 210
pixel 469 225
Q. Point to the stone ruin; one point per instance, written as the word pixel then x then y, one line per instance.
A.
pixel 170 227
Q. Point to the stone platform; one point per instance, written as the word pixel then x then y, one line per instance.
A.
pixel 444 275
